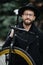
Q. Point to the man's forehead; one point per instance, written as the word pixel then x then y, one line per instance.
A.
pixel 30 11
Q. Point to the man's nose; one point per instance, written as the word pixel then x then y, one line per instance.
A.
pixel 28 16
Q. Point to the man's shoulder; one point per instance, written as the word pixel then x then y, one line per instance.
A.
pixel 40 33
pixel 38 30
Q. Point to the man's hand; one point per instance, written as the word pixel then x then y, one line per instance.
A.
pixel 12 33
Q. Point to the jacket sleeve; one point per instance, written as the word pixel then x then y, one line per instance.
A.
pixel 41 47
pixel 7 42
pixel 41 43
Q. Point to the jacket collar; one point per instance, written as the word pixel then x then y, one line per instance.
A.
pixel 33 29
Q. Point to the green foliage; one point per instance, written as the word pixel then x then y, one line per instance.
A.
pixel 7 17
pixel 4 25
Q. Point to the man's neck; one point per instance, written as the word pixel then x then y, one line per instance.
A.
pixel 26 27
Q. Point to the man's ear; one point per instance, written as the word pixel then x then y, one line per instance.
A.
pixel 34 17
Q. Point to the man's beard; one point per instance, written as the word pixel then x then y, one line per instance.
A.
pixel 27 23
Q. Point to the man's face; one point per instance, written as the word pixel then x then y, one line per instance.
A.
pixel 28 17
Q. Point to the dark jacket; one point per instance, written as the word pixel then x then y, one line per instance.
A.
pixel 31 41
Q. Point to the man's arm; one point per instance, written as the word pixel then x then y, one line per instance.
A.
pixel 41 47
pixel 9 39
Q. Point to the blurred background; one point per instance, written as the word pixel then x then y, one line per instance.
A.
pixel 8 16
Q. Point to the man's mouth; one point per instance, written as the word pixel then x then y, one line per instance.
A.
pixel 28 19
